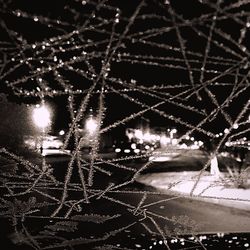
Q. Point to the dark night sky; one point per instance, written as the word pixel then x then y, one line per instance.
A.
pixel 137 73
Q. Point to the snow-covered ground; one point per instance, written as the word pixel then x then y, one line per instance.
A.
pixel 209 188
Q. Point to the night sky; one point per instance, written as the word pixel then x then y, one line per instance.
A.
pixel 153 53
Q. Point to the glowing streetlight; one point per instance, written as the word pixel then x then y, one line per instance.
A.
pixel 91 125
pixel 61 132
pixel 41 116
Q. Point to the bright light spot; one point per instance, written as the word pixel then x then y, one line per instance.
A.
pixel 226 130
pixel 183 146
pixel 174 130
pixel 61 132
pixel 41 116
pixel 117 150
pixel 174 141
pixel 138 134
pixel 137 150
pixel 91 125
pixel 133 146
pixel 194 146
pixel 127 151
pixel 147 136
pixel 235 126
pixel 147 147
pixel 165 140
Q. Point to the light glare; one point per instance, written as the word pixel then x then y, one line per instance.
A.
pixel 41 116
pixel 91 125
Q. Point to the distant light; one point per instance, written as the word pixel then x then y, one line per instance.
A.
pixel 147 147
pixel 91 125
pixel 138 134
pixel 174 130
pixel 192 138
pixel 133 146
pixel 141 141
pixel 41 116
pixel 147 136
pixel 61 132
pixel 226 130
pixel 137 150
pixel 127 151
pixel 235 126
pixel 117 150
pixel 174 141
pixel 183 146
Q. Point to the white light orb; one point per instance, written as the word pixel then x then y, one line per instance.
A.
pixel 235 126
pixel 41 116
pixel 91 125
pixel 61 132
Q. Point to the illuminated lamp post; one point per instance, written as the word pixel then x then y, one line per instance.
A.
pixel 91 126
pixel 42 119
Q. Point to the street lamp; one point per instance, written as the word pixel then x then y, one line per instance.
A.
pixel 42 119
pixel 91 125
pixel 41 116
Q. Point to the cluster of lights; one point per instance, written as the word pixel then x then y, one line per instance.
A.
pixel 212 240
pixel 147 136
pixel 135 149
pixel 243 142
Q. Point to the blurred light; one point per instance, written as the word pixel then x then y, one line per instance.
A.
pixel 127 151
pixel 61 132
pixel 47 143
pixel 235 126
pixel 147 147
pixel 174 141
pixel 138 134
pixel 192 138
pixel 226 130
pixel 194 146
pixel 165 140
pixel 133 146
pixel 137 150
pixel 91 125
pixel 41 116
pixel 141 141
pixel 117 150
pixel 147 136
pixel 183 146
